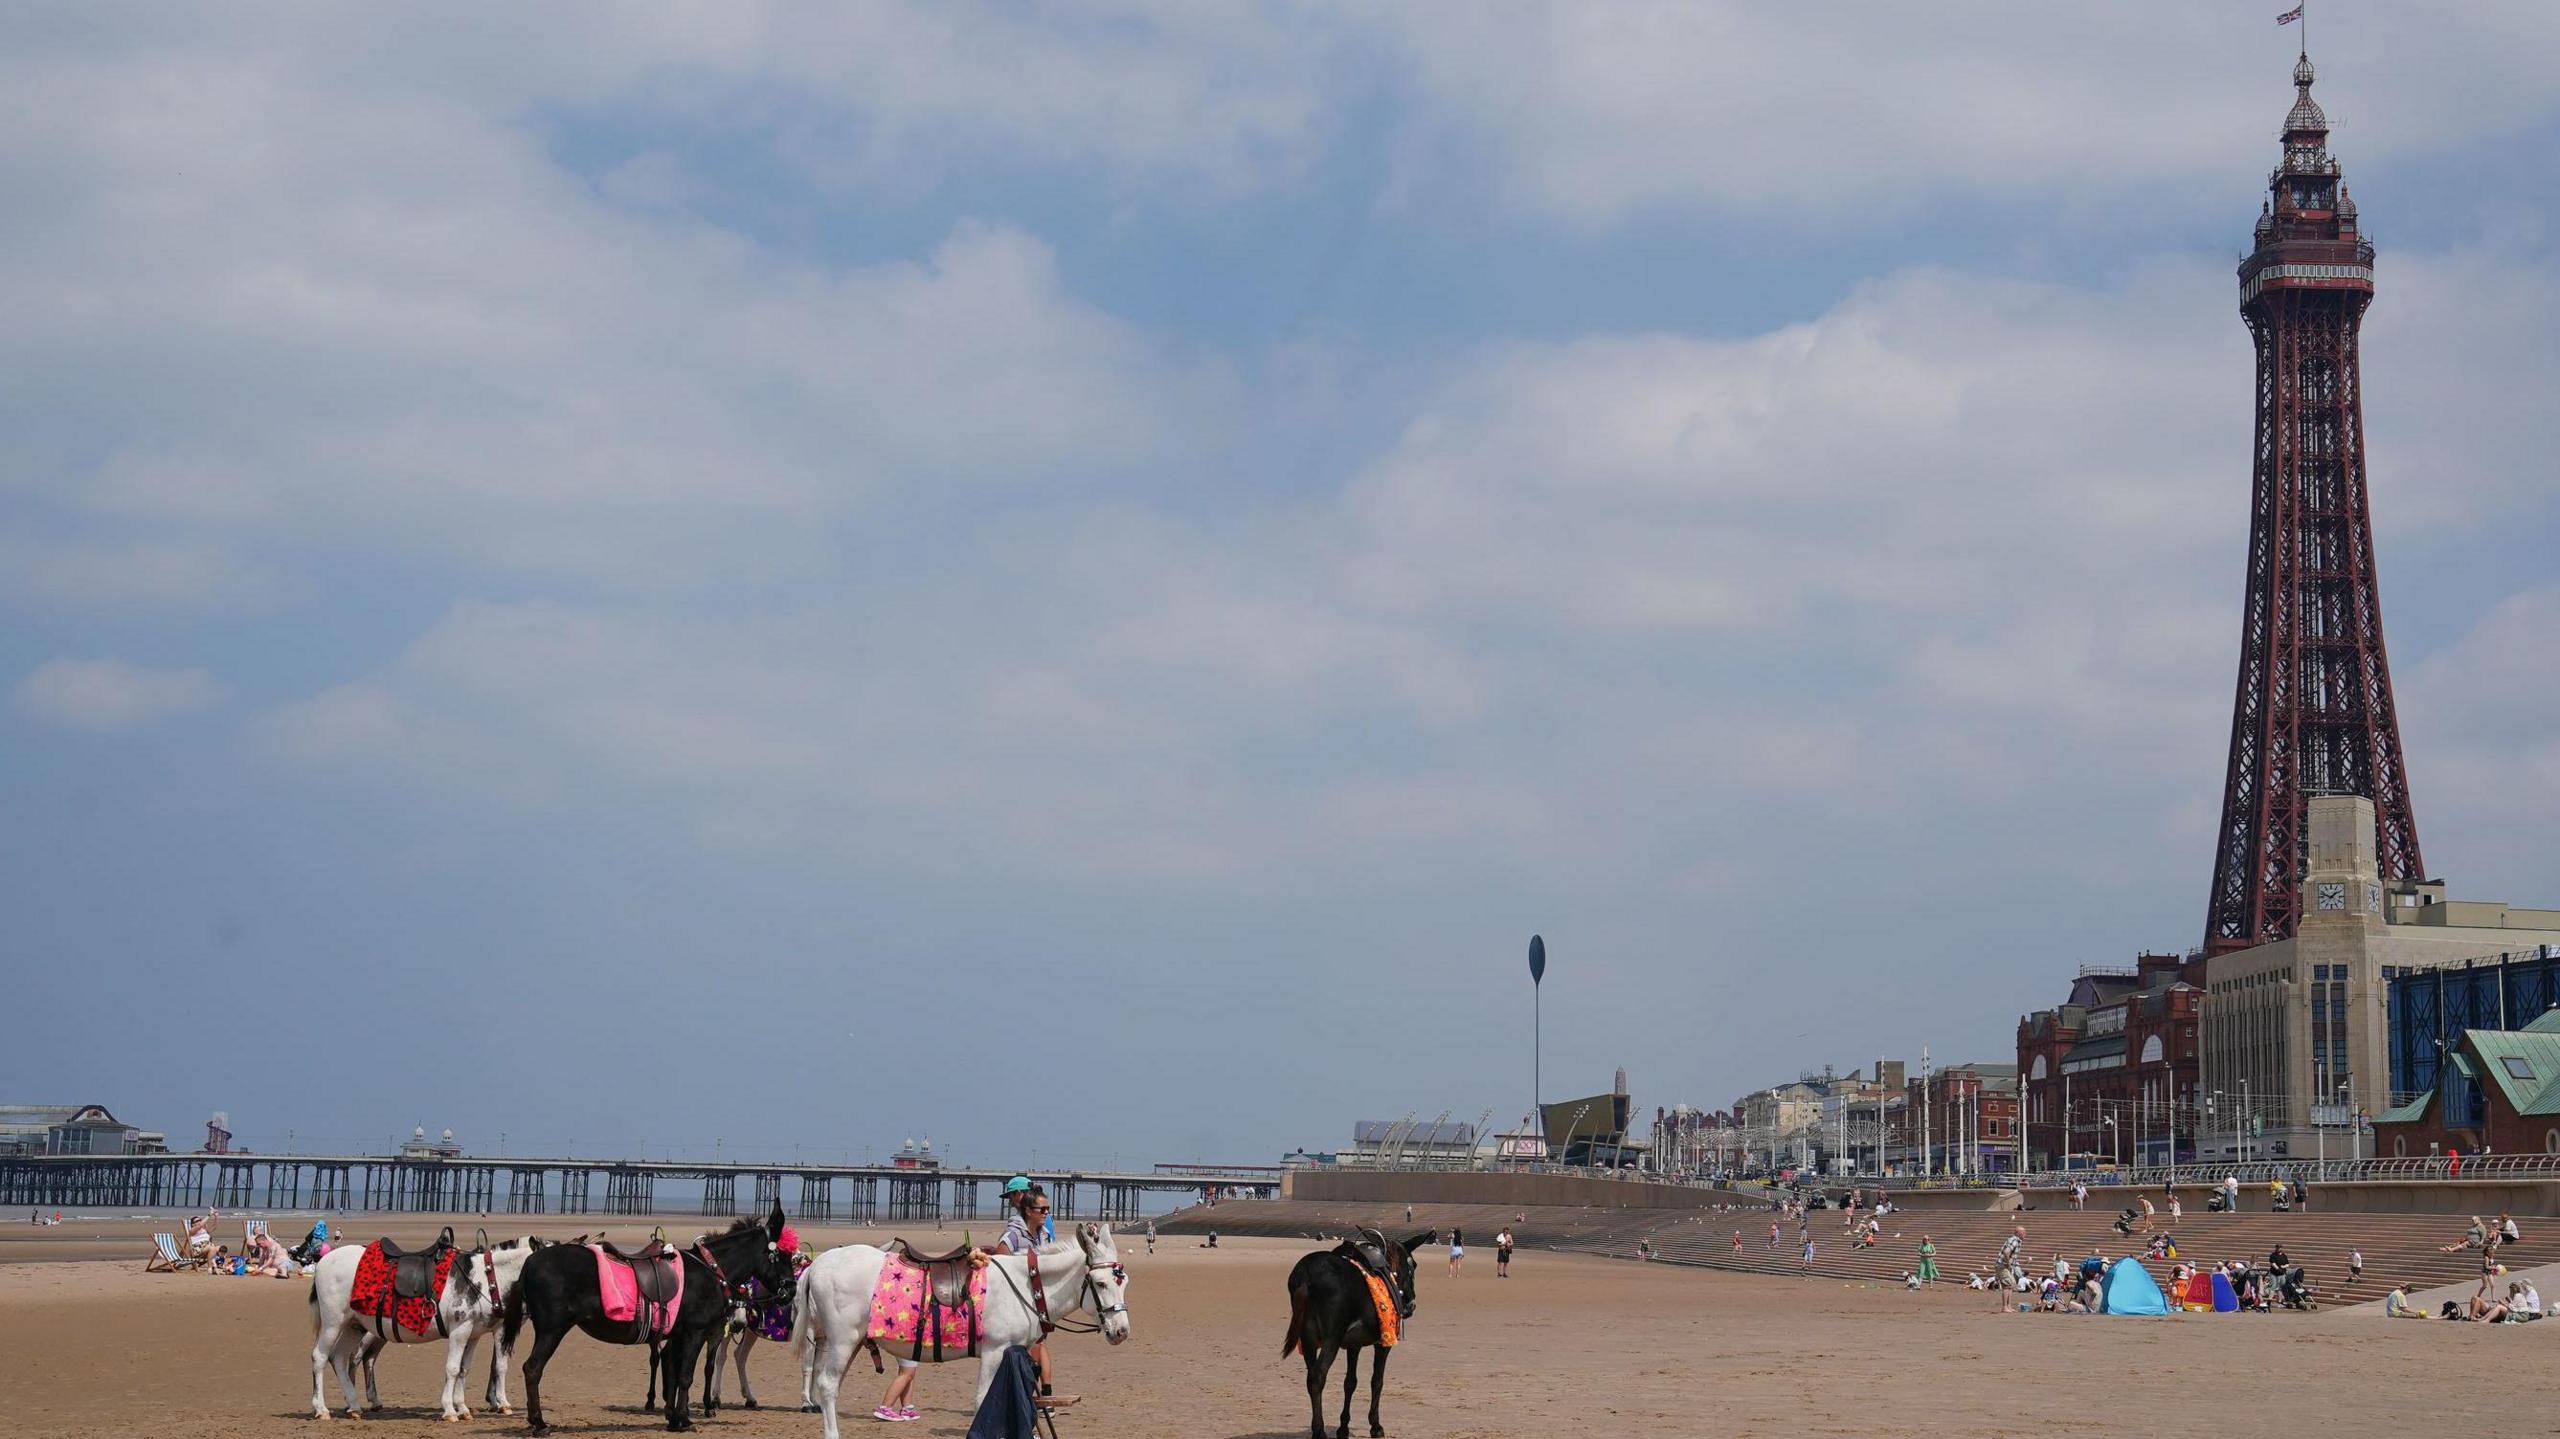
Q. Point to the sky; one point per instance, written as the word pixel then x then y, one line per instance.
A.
pixel 1077 579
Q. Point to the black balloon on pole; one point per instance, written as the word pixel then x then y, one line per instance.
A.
pixel 1537 1035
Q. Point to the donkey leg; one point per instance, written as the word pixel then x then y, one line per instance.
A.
pixel 832 1353
pixel 324 1357
pixel 545 1339
pixel 1350 1384
pixel 1319 1363
pixel 738 1361
pixel 457 1356
pixel 682 1355
pixel 1377 1390
pixel 344 1359
pixel 369 1348
pixel 499 1354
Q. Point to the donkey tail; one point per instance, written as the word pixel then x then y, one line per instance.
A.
pixel 1297 1321
pixel 513 1323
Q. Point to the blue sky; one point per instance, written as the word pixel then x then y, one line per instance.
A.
pixel 1188 529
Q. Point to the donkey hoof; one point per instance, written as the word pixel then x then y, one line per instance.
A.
pixel 751 1404
pixel 808 1408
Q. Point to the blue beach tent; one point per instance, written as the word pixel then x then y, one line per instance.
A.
pixel 2130 1289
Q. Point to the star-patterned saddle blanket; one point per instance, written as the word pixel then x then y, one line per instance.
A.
pixel 920 1319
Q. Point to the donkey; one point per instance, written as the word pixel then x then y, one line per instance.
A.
pixel 474 1296
pixel 559 1292
pixel 834 1314
pixel 1331 1311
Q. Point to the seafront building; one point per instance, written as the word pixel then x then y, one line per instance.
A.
pixel 73 1129
pixel 2112 1072
pixel 2297 1031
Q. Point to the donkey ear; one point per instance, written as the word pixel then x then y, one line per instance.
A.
pixel 1428 1236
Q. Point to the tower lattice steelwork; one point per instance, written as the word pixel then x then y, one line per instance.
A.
pixel 2314 712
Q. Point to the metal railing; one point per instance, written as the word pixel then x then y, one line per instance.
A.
pixel 2310 1171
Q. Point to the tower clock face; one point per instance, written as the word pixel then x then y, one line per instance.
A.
pixel 2333 896
pixel 2373 899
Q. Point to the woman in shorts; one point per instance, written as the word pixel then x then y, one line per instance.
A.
pixel 1457 1250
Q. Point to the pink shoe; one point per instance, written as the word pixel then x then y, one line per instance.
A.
pixel 887 1415
pixel 909 1411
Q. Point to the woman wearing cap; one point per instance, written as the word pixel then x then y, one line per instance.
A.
pixel 1025 1229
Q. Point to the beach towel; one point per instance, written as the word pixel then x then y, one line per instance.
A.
pixel 905 1314
pixel 620 1289
pixel 371 1294
pixel 1008 1411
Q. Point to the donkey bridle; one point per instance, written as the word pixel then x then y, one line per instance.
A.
pixel 1038 1300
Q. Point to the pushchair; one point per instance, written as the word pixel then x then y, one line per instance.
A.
pixel 2296 1291
pixel 307 1253
pixel 2215 1203
pixel 2124 1223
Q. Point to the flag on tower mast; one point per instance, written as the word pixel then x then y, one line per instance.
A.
pixel 2290 16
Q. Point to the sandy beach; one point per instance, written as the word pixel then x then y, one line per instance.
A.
pixel 1568 1344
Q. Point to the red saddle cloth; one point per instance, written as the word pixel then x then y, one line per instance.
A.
pixel 372 1297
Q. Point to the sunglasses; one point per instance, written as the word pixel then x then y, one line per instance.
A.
pixel 1039 1208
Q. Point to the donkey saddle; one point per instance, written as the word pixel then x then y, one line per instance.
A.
pixel 654 1270
pixel 413 1271
pixel 946 1275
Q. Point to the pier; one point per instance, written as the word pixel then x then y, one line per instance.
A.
pixel 849 1193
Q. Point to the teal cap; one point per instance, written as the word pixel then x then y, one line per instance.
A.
pixel 1016 1184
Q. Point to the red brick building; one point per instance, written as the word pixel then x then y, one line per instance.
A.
pixel 2111 1074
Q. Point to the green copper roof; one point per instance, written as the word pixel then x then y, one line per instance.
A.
pixel 2523 1063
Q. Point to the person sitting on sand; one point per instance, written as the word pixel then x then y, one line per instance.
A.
pixel 267 1257
pixel 2396 1305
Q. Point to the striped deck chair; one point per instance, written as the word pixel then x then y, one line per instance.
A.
pixel 250 1229
pixel 167 1258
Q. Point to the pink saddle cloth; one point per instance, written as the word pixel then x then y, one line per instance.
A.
pixel 905 1322
pixel 621 1292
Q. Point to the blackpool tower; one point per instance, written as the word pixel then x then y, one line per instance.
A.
pixel 2314 712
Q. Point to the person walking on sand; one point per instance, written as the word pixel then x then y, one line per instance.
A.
pixel 1928 1261
pixel 1151 1234
pixel 1457 1250
pixel 1502 1253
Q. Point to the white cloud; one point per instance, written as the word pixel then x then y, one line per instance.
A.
pixel 1588 110
pixel 111 694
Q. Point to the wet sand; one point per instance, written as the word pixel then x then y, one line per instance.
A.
pixel 1569 1346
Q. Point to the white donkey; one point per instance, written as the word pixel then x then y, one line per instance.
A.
pixel 474 1299
pixel 740 1344
pixel 834 1314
